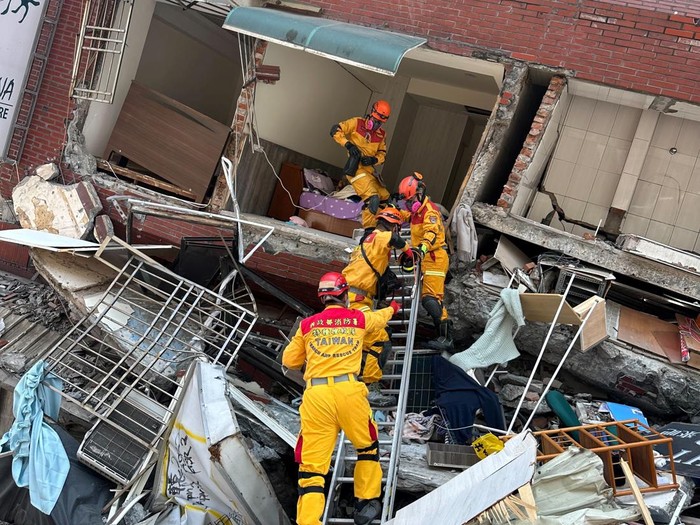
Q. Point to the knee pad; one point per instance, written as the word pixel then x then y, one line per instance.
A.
pixel 433 307
pixel 372 204
pixel 370 453
pixel 313 488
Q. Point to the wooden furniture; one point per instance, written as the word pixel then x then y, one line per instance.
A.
pixel 541 307
pixel 326 223
pixel 283 205
pixel 169 139
pixel 629 440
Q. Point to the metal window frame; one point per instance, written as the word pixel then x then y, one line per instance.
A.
pixel 103 33
pixel 135 341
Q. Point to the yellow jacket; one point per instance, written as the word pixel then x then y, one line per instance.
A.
pixel 370 143
pixel 427 227
pixel 330 342
pixel 378 246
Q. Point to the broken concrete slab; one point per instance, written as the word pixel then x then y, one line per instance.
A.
pixel 630 375
pixel 47 171
pixel 601 254
pixel 70 274
pixel 55 208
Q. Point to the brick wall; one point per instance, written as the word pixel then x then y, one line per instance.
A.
pixel 47 129
pixel 298 276
pixel 651 46
pixel 14 258
pixel 532 141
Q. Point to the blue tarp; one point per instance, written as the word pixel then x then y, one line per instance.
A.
pixel 360 46
pixel 39 459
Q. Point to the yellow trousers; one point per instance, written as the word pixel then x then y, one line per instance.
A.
pixel 374 342
pixel 325 410
pixel 435 265
pixel 365 185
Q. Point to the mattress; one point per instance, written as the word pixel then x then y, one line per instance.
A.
pixel 338 208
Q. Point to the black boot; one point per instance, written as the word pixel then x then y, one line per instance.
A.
pixel 367 510
pixel 444 341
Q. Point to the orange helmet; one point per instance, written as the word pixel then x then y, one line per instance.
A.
pixel 411 185
pixel 333 284
pixel 381 110
pixel 390 215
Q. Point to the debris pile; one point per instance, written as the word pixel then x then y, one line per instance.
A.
pixel 35 301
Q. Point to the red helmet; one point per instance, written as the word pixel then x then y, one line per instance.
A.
pixel 411 185
pixel 333 284
pixel 381 110
pixel 390 215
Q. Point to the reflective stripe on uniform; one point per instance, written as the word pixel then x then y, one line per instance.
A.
pixel 356 177
pixel 316 381
pixel 437 274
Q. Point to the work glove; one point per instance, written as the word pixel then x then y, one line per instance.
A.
pixel 395 306
pixel 407 261
pixel 354 150
pixel 420 251
pixel 368 161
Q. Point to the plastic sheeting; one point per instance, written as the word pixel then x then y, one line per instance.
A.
pixel 364 47
pixel 571 490
pixel 84 493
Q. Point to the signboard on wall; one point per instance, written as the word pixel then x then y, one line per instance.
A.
pixel 20 23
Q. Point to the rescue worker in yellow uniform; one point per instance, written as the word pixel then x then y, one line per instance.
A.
pixel 330 345
pixel 368 261
pixel 364 139
pixel 428 242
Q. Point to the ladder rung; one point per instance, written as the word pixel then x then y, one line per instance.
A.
pixel 347 520
pixel 348 479
pixel 381 442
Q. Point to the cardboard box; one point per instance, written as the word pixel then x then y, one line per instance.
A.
pixel 326 223
pixel 542 307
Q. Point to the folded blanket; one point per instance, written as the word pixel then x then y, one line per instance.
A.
pixel 496 344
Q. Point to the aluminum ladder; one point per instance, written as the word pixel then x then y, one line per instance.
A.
pixel 403 327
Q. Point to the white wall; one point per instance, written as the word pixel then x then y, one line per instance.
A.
pixel 590 155
pixel 435 138
pixel 588 160
pixel 313 93
pixel 102 117
pixel 665 205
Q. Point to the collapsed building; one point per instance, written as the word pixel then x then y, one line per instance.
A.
pixel 569 133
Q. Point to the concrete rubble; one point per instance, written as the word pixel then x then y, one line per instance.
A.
pixel 110 319
pixel 55 208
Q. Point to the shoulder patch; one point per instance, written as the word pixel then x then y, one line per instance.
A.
pixel 433 219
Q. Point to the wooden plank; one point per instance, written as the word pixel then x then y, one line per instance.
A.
pixel 639 329
pixel 169 139
pixel 141 177
pixel 542 307
pixel 596 330
pixel 528 498
pixel 636 492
